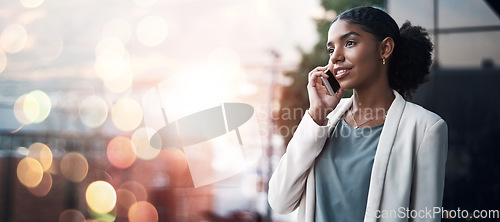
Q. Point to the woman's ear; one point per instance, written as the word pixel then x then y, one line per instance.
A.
pixel 386 47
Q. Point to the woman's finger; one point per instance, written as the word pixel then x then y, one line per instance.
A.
pixel 317 69
pixel 315 77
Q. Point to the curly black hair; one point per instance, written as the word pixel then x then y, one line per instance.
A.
pixel 411 58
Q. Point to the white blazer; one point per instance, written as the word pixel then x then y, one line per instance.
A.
pixel 407 177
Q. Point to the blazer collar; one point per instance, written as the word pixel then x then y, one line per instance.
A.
pixel 335 115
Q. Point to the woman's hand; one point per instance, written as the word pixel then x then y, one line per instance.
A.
pixel 321 102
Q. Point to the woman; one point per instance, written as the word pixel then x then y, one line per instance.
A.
pixel 374 156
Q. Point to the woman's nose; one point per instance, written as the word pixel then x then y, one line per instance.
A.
pixel 337 56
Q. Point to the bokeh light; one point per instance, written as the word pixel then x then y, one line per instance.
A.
pixel 125 199
pixel 102 217
pixel 141 142
pixel 22 150
pixel 29 172
pixel 110 44
pixel 93 111
pixel 126 114
pixel 71 215
pixel 54 168
pixel 137 189
pixel 26 109
pixel 43 187
pixel 109 65
pixel 152 30
pixel 3 61
pixel 74 166
pixel 33 107
pixel 31 3
pixel 101 197
pixel 121 83
pixel 44 105
pixel 111 58
pixel 42 153
pixel 120 152
pixel 142 211
pixel 13 38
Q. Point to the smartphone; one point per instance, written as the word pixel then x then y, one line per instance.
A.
pixel 331 83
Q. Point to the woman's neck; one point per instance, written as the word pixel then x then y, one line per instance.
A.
pixel 372 99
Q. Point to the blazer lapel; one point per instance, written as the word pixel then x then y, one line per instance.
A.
pixel 382 155
pixel 335 115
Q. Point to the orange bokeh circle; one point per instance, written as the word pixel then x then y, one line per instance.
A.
pixel 121 153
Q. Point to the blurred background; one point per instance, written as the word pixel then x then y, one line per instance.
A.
pixel 84 84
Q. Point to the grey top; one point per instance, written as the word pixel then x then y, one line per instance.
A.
pixel 342 172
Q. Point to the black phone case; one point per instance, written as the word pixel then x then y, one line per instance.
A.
pixel 333 82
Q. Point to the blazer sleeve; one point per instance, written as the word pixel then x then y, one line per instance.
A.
pixel 288 182
pixel 429 172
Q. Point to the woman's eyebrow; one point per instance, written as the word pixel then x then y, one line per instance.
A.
pixel 344 36
pixel 348 34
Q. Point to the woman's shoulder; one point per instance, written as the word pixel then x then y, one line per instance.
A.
pixel 417 113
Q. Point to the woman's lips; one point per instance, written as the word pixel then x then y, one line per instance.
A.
pixel 341 73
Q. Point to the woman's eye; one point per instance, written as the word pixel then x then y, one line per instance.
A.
pixel 349 43
pixel 330 51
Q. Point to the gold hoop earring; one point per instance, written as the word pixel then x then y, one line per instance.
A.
pixel 383 61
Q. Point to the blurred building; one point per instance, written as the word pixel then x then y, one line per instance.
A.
pixel 72 75
pixel 163 181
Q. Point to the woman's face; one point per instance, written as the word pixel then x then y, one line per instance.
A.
pixel 355 58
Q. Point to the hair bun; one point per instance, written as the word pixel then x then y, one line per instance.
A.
pixel 414 59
